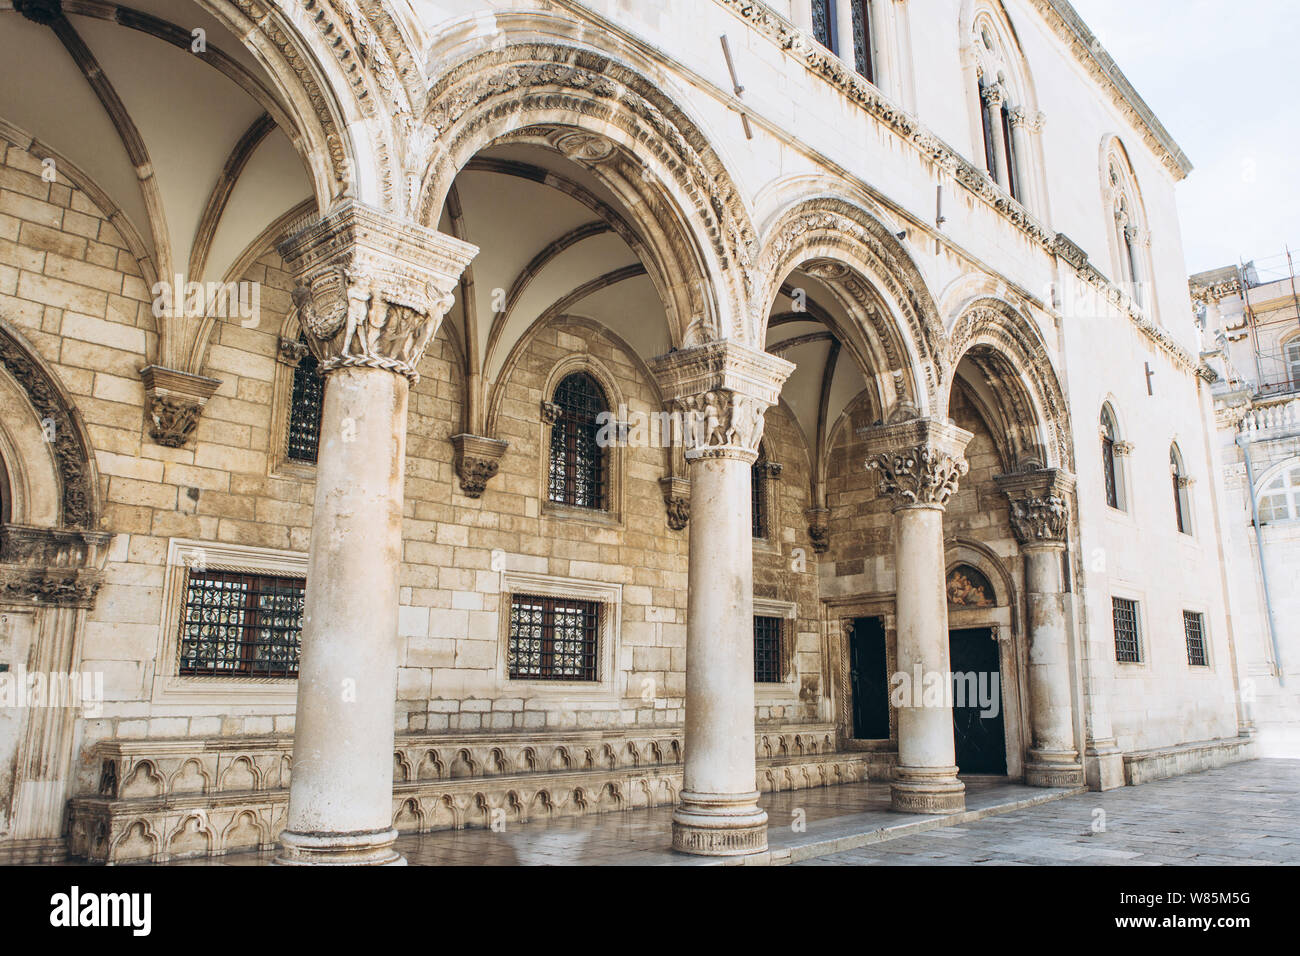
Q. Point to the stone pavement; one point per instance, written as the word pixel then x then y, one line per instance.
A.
pixel 1242 814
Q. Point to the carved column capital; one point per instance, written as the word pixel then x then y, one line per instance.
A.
pixel 993 95
pixel 677 499
pixel 721 391
pixel 291 352
pixel 920 461
pixel 372 289
pixel 1122 448
pixel 173 403
pixel 477 461
pixel 551 412
pixel 1039 500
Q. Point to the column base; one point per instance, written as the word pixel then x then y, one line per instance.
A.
pixel 933 790
pixel 367 848
pixel 717 824
pixel 1103 766
pixel 1053 768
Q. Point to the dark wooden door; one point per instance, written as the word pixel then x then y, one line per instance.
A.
pixel 977 724
pixel 869 679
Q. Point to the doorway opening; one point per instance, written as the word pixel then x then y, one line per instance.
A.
pixel 978 727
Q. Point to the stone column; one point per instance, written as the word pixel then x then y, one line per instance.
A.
pixel 371 293
pixel 721 391
pixel 993 95
pixel 1040 518
pixel 920 462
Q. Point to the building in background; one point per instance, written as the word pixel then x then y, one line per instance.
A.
pixel 1250 321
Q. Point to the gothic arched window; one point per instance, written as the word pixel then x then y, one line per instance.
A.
pixel 1007 116
pixel 578 473
pixel 1109 466
pixel 1182 506
pixel 305 403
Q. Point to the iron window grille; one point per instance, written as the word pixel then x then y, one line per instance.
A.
pixel 1194 628
pixel 1108 461
pixel 577 474
pixel 758 497
pixel 823 23
pixel 552 638
pixel 1128 645
pixel 862 39
pixel 305 409
pixel 767 650
pixel 241 625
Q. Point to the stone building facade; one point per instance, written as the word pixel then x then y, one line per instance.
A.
pixel 1250 321
pixel 901 283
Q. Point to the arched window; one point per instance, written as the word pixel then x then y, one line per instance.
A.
pixel 1109 466
pixel 6 507
pixel 758 495
pixel 1006 114
pixel 1130 238
pixel 1182 507
pixel 305 403
pixel 1280 498
pixel 577 475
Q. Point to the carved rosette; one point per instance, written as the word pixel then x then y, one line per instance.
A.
pixel 477 461
pixel 919 461
pixel 174 402
pixel 677 499
pixel 1039 499
pixel 819 530
pixel 372 289
pixel 720 392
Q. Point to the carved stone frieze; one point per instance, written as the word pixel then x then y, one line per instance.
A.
pixel 920 461
pixel 174 402
pixel 51 566
pixel 721 392
pixel 1039 500
pixel 477 461
pixel 372 289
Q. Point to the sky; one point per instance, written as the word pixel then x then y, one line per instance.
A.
pixel 1224 78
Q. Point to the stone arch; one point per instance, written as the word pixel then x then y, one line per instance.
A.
pixel 1032 423
pixel 611 118
pixel 64 442
pixel 959 551
pixel 899 343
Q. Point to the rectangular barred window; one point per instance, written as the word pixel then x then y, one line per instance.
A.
pixel 767 650
pixel 241 625
pixel 305 410
pixel 1128 647
pixel 552 638
pixel 1194 627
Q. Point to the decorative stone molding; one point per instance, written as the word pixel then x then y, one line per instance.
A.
pixel 372 289
pixel 62 426
pixel 722 391
pixel 477 461
pixel 174 402
pixel 920 461
pixel 677 499
pixel 771 469
pixel 1122 448
pixel 819 532
pixel 1040 504
pixel 51 566
pixel 551 412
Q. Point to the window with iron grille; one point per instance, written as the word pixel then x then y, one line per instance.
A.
pixel 1108 458
pixel 241 625
pixel 758 497
pixel 767 650
pixel 862 34
pixel 823 23
pixel 552 638
pixel 1128 645
pixel 305 409
pixel 577 462
pixel 1194 628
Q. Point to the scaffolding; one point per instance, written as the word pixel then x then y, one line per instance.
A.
pixel 1272 312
